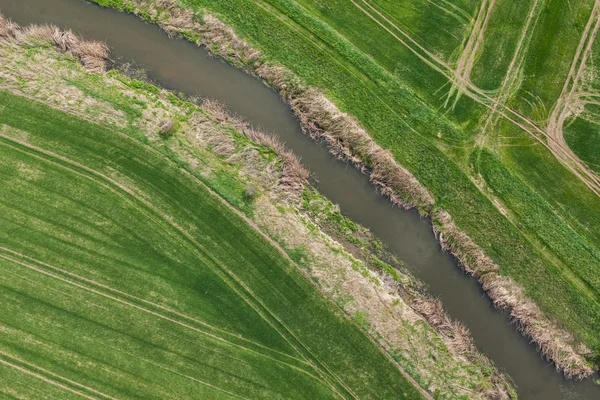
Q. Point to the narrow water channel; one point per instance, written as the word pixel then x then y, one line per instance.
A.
pixel 181 66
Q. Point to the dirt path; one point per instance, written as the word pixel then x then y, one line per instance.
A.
pixel 563 106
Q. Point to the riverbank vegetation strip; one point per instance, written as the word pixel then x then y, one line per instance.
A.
pixel 350 63
pixel 122 210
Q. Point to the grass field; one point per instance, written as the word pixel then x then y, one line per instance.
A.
pixel 392 67
pixel 124 277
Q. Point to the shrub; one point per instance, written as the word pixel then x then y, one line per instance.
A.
pixel 167 128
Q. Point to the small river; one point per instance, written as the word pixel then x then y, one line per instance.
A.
pixel 183 67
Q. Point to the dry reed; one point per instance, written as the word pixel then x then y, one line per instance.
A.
pixel 553 342
pixel 92 54
pixel 456 335
pixel 294 176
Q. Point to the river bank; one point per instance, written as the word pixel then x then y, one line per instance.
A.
pixel 350 190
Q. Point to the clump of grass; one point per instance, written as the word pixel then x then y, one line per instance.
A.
pixel 456 335
pixel 470 256
pixel 250 192
pixel 8 29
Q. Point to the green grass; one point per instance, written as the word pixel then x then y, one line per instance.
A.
pixel 535 215
pixel 451 19
pixel 551 52
pixel 122 274
pixel 499 44
pixel 400 100
pixel 583 137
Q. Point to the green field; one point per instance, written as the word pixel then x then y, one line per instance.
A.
pixel 122 276
pixel 392 67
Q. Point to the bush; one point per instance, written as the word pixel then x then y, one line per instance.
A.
pixel 167 128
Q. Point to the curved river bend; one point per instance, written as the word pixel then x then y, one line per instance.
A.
pixel 181 66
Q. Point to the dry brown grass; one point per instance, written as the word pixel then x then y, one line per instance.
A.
pixel 470 256
pixel 348 141
pixel 8 29
pixel 455 334
pixel 552 341
pixel 92 54
pixel 293 174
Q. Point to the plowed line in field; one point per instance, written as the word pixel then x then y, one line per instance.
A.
pixel 463 17
pixel 127 295
pixel 218 267
pixel 180 374
pixel 51 381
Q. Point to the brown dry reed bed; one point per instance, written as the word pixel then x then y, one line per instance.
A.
pixel 92 54
pixel 322 120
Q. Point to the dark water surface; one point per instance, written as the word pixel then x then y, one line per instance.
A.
pixel 181 66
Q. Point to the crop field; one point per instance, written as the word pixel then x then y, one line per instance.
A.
pixel 122 276
pixel 472 97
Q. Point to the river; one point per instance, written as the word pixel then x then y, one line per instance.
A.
pixel 181 66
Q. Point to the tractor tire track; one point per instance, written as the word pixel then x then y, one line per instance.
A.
pixel 510 83
pixel 564 103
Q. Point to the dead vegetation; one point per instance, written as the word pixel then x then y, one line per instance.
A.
pixel 553 342
pixel 92 54
pixel 294 176
pixel 395 321
pixel 166 128
pixel 470 256
pixel 349 142
pixel 456 335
